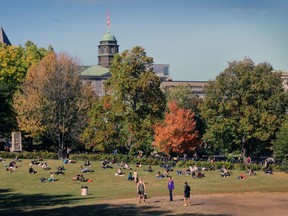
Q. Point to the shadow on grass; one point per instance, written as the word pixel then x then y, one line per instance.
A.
pixel 41 204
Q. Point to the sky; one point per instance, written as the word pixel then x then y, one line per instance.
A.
pixel 197 38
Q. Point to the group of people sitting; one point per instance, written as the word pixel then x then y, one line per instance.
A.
pixel 194 171
pixel 81 178
pixel 159 175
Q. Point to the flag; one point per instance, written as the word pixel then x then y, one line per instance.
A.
pixel 108 20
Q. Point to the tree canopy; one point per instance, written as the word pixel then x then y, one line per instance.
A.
pixel 177 134
pixel 280 144
pixel 15 61
pixel 186 99
pixel 134 102
pixel 51 102
pixel 244 107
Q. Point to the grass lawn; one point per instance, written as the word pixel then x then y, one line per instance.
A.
pixel 23 193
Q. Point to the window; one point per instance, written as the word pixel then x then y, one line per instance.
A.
pixel 166 71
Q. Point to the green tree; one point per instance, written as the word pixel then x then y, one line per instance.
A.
pixel 280 145
pixel 52 101
pixel 6 111
pixel 14 63
pixel 133 104
pixel 243 107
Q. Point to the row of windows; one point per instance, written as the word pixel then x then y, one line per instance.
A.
pixel 108 49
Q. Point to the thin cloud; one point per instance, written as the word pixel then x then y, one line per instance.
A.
pixel 56 20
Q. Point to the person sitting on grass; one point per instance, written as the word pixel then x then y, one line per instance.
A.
pixel 179 172
pixel 200 175
pixel 87 163
pixel 35 162
pixel 81 178
pixel 126 166
pixel 193 174
pixel 12 166
pixel 51 178
pixel 60 170
pixel 159 175
pixel 166 173
pixel 72 161
pixel 76 178
pixel 251 172
pixel 138 164
pixel 119 172
pixel 32 170
pixel 187 172
pixel 130 177
pixel 149 168
pixel 105 164
pixel 225 172
pixel 268 171
pixel 45 166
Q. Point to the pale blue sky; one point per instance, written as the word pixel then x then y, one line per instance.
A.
pixel 196 37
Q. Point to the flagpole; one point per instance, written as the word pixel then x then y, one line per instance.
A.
pixel 108 21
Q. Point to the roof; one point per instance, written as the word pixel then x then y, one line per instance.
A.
pixel 95 70
pixel 3 37
pixel 108 37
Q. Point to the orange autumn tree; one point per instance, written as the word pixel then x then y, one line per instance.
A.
pixel 177 134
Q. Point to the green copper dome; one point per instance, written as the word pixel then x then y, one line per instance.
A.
pixel 108 37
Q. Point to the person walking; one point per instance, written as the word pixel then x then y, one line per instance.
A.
pixel 187 194
pixel 141 190
pixel 170 188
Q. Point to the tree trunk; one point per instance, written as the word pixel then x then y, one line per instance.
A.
pixel 244 150
pixel 61 151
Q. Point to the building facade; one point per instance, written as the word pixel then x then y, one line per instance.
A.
pixel 107 49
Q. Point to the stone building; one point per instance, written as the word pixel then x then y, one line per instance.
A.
pixel 97 74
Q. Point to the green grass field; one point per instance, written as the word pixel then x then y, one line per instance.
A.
pixel 23 192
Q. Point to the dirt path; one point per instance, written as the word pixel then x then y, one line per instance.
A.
pixel 264 204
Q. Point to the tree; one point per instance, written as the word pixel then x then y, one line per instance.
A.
pixel 52 102
pixel 6 111
pixel 15 61
pixel 244 107
pixel 134 102
pixel 177 134
pixel 186 99
pixel 280 145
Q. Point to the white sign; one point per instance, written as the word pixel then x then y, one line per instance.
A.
pixel 16 142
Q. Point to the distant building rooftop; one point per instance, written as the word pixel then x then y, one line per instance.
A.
pixel 3 37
